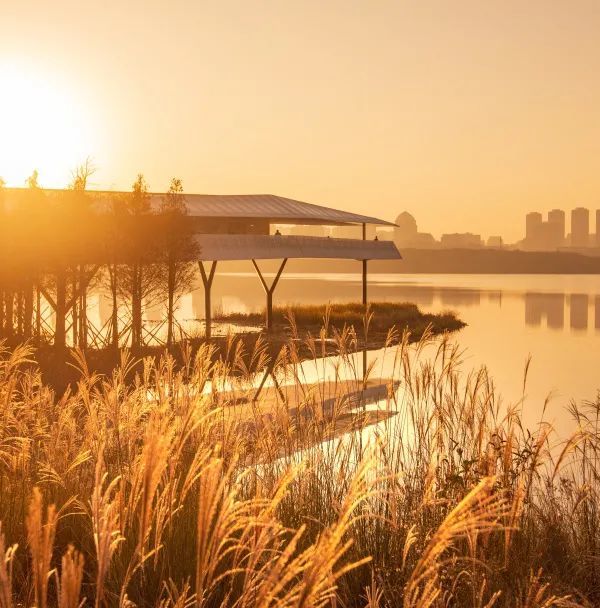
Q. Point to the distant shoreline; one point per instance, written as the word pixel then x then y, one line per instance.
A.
pixel 451 261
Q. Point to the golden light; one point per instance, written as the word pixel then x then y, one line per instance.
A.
pixel 42 126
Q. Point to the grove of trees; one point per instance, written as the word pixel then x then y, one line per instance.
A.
pixel 55 245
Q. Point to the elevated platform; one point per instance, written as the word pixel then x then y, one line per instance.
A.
pixel 227 247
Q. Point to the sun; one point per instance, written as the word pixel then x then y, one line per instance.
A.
pixel 43 126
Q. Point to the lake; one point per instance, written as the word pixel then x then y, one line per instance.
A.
pixel 555 319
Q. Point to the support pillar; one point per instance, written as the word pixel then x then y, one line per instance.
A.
pixel 364 270
pixel 364 302
pixel 207 280
pixel 364 284
pixel 269 291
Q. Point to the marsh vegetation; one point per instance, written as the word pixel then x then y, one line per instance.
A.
pixel 304 320
pixel 139 488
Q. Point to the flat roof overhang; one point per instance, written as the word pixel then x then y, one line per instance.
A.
pixel 229 247
pixel 267 207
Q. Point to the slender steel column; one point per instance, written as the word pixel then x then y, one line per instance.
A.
pixel 364 302
pixel 364 270
pixel 269 291
pixel 207 280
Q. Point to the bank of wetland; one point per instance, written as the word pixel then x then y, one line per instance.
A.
pixel 381 324
pixel 241 338
pixel 154 493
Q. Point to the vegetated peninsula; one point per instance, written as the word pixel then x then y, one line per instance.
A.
pixel 243 336
pixel 382 323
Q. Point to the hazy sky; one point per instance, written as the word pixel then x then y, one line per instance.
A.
pixel 465 113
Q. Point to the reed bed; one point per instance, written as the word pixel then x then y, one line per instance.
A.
pixel 143 489
pixel 310 317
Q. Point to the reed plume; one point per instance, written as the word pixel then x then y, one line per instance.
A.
pixel 40 536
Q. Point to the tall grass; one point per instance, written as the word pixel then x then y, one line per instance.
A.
pixel 147 490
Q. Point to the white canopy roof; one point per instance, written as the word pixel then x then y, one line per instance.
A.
pixel 270 247
pixel 268 207
pixel 275 209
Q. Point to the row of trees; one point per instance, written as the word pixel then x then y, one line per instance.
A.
pixel 57 244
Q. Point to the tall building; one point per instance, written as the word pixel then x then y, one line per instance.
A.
pixel 555 231
pixel 533 226
pixel 580 227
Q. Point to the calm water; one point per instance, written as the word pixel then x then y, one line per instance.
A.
pixel 553 318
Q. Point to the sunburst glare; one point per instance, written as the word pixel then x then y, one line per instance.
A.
pixel 43 125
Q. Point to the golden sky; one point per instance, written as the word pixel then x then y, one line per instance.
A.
pixel 465 113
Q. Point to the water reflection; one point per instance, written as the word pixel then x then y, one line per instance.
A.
pixel 550 306
pixel 495 297
pixel 555 319
pixel 541 308
pixel 568 310
pixel 578 311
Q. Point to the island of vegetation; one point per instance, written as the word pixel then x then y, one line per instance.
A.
pixel 380 324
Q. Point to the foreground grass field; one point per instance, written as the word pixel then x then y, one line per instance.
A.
pixel 147 491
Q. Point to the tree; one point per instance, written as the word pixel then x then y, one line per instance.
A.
pixel 114 248
pixel 22 254
pixel 82 272
pixel 140 272
pixel 178 249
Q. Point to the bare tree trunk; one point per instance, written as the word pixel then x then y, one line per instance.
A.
pixel 114 287
pixel 136 308
pixel 60 336
pixel 171 303
pixel 28 310
pixel 83 325
pixel 75 309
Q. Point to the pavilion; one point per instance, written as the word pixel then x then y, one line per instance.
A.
pixel 234 227
pixel 240 227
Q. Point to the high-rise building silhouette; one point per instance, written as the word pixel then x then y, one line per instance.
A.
pixel 533 226
pixel 555 231
pixel 580 227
